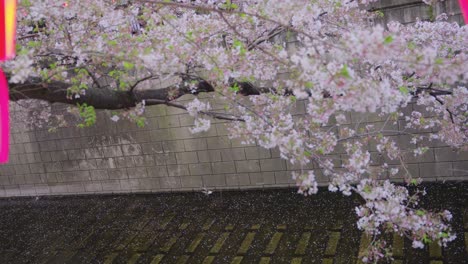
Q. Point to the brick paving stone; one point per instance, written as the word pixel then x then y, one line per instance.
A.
pixel 230 227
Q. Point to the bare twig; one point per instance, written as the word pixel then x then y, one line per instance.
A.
pixel 273 33
pixel 95 80
pixel 208 113
pixel 140 81
pixel 442 103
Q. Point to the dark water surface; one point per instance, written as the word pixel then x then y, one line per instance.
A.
pixel 271 226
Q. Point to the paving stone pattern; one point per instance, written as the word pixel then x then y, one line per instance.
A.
pixel 274 226
pixel 164 156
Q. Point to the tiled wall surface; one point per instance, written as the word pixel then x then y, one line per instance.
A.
pixel 408 11
pixel 164 156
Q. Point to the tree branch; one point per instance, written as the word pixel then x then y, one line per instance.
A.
pixel 216 115
pixel 57 92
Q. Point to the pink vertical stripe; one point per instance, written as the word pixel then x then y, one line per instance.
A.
pixel 4 119
pixel 7 49
pixel 2 30
pixel 464 9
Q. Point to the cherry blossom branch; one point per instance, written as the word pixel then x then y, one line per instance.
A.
pixel 230 11
pixel 442 103
pixel 133 86
pixel 273 33
pixel 216 115
pixel 244 37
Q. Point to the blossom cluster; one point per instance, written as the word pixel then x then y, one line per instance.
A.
pixel 391 207
pixel 194 108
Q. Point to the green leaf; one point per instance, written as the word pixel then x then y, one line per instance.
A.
pixel 122 84
pixel 147 50
pixel 83 86
pixel 422 120
pixel 229 5
pixel 404 90
pixel 344 72
pixel 379 13
pixel 239 45
pixel 426 239
pixel 321 151
pixel 26 3
pixel 112 43
pixel 128 65
pixel 367 189
pixel 115 73
pixel 87 114
pixel 411 45
pixel 388 40
pixel 34 44
pixel 235 88
pixel 420 212
pixel 189 36
pixel 444 235
pixel 140 121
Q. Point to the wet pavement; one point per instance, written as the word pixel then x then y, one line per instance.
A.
pixel 270 226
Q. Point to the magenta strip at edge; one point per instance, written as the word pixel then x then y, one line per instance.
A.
pixel 4 119
pixel 464 9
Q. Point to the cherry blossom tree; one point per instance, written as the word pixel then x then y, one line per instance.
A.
pixel 258 59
